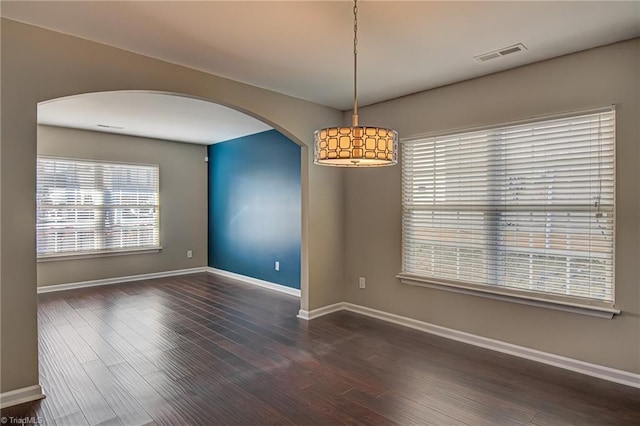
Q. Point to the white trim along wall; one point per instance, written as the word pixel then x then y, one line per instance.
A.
pixel 140 277
pixel 255 281
pixel 594 370
pixel 20 396
pixel 118 280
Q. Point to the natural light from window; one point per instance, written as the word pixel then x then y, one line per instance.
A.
pixel 526 209
pixel 86 207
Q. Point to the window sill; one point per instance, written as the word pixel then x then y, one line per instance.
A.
pixel 514 297
pixel 80 256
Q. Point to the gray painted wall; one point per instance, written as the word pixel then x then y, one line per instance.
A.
pixel 183 202
pixel 598 77
pixel 39 65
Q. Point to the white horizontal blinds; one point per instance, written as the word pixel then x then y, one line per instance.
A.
pixel 67 195
pixel 86 207
pixel 131 206
pixel 524 207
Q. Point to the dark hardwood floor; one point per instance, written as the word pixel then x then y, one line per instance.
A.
pixel 200 350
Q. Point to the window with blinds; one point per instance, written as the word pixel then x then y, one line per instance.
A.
pixel 86 207
pixel 523 209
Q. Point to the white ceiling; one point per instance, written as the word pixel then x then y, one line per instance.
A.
pixel 149 114
pixel 303 48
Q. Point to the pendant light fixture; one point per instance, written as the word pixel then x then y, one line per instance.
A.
pixel 355 146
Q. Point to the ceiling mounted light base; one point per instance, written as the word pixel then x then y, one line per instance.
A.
pixel 356 146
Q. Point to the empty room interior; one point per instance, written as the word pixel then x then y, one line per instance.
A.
pixel 320 212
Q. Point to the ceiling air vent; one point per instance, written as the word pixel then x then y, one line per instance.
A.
pixel 500 52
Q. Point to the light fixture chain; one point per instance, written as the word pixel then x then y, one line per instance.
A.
pixel 355 146
pixel 355 62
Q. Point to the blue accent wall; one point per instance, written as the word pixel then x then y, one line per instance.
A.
pixel 255 207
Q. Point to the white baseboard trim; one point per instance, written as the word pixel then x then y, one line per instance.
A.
pixel 594 370
pixel 255 281
pixel 20 396
pixel 325 310
pixel 118 280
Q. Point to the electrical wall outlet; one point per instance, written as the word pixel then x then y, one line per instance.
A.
pixel 189 254
pixel 277 266
pixel 362 282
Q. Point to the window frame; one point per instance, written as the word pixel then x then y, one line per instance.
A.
pixel 586 306
pixel 102 252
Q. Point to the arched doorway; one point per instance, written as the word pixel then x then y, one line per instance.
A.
pixel 254 184
pixel 38 65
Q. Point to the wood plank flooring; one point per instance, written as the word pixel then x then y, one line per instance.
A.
pixel 202 350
